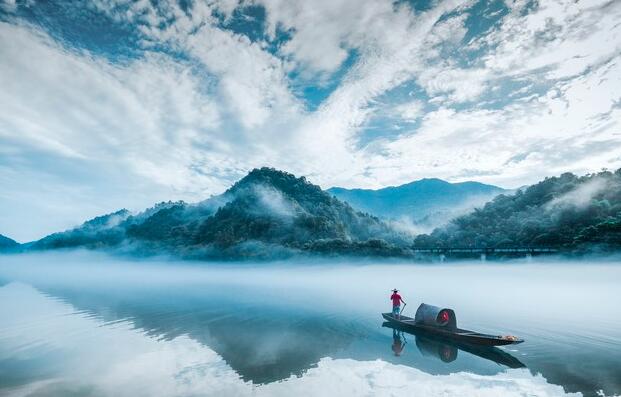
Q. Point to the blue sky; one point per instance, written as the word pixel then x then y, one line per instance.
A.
pixel 108 104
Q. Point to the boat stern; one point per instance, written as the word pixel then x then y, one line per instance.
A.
pixel 388 316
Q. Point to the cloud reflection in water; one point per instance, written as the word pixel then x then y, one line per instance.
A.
pixel 49 348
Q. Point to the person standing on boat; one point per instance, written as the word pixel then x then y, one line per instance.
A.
pixel 396 303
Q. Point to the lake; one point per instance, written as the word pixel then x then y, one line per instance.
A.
pixel 81 324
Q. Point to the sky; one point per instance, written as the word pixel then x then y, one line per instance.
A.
pixel 109 104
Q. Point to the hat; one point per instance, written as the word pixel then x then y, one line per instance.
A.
pixel 395 290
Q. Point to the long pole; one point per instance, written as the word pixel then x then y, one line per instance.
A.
pixel 403 308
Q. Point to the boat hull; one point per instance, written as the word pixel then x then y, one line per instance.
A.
pixel 457 334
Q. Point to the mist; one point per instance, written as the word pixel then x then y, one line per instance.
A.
pixel 273 203
pixel 318 316
pixel 572 214
pixel 580 197
pixel 415 224
pixel 364 284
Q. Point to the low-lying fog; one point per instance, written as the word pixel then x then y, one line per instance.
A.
pixel 298 327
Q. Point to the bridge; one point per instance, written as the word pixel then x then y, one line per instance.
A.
pixel 483 252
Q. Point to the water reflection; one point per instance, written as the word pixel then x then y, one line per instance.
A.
pixel 268 325
pixel 82 356
pixel 398 342
pixel 262 341
pixel 430 347
pixel 446 350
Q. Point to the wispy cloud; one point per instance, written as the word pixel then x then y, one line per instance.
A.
pixel 455 90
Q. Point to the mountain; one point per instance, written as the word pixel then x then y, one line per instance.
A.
pixel 98 232
pixel 268 213
pixel 568 212
pixel 427 202
pixel 7 244
pixel 273 214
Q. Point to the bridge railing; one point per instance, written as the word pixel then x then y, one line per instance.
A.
pixel 485 250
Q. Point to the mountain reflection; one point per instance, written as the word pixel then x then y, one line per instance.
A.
pixel 263 343
pixel 50 349
pixel 272 324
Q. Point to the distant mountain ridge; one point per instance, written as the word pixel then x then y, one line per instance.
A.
pixel 268 213
pixel 273 214
pixel 420 200
pixel 8 243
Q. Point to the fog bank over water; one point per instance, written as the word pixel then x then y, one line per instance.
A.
pixel 551 282
pixel 126 362
pixel 86 323
pixel 474 289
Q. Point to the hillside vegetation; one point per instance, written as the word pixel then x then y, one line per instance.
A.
pixel 8 244
pixel 273 214
pixel 268 213
pixel 568 211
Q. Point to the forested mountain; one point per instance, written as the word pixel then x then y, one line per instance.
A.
pixel 567 212
pixel 98 232
pixel 267 213
pixel 426 201
pixel 276 207
pixel 270 214
pixel 7 243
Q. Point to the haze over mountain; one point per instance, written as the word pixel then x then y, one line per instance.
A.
pixel 7 243
pixel 568 211
pixel 268 213
pixel 273 214
pixel 427 202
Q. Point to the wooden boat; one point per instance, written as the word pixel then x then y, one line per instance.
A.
pixel 442 322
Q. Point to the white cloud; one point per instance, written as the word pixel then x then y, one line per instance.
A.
pixel 250 79
pixel 391 46
pixel 172 128
pixel 446 35
pixel 323 31
pixel 8 5
pixel 573 127
pixel 410 111
pixel 153 125
pixel 460 85
pixel 561 36
pixel 146 116
pixel 148 120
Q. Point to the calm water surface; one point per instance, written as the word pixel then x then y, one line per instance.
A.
pixel 83 325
